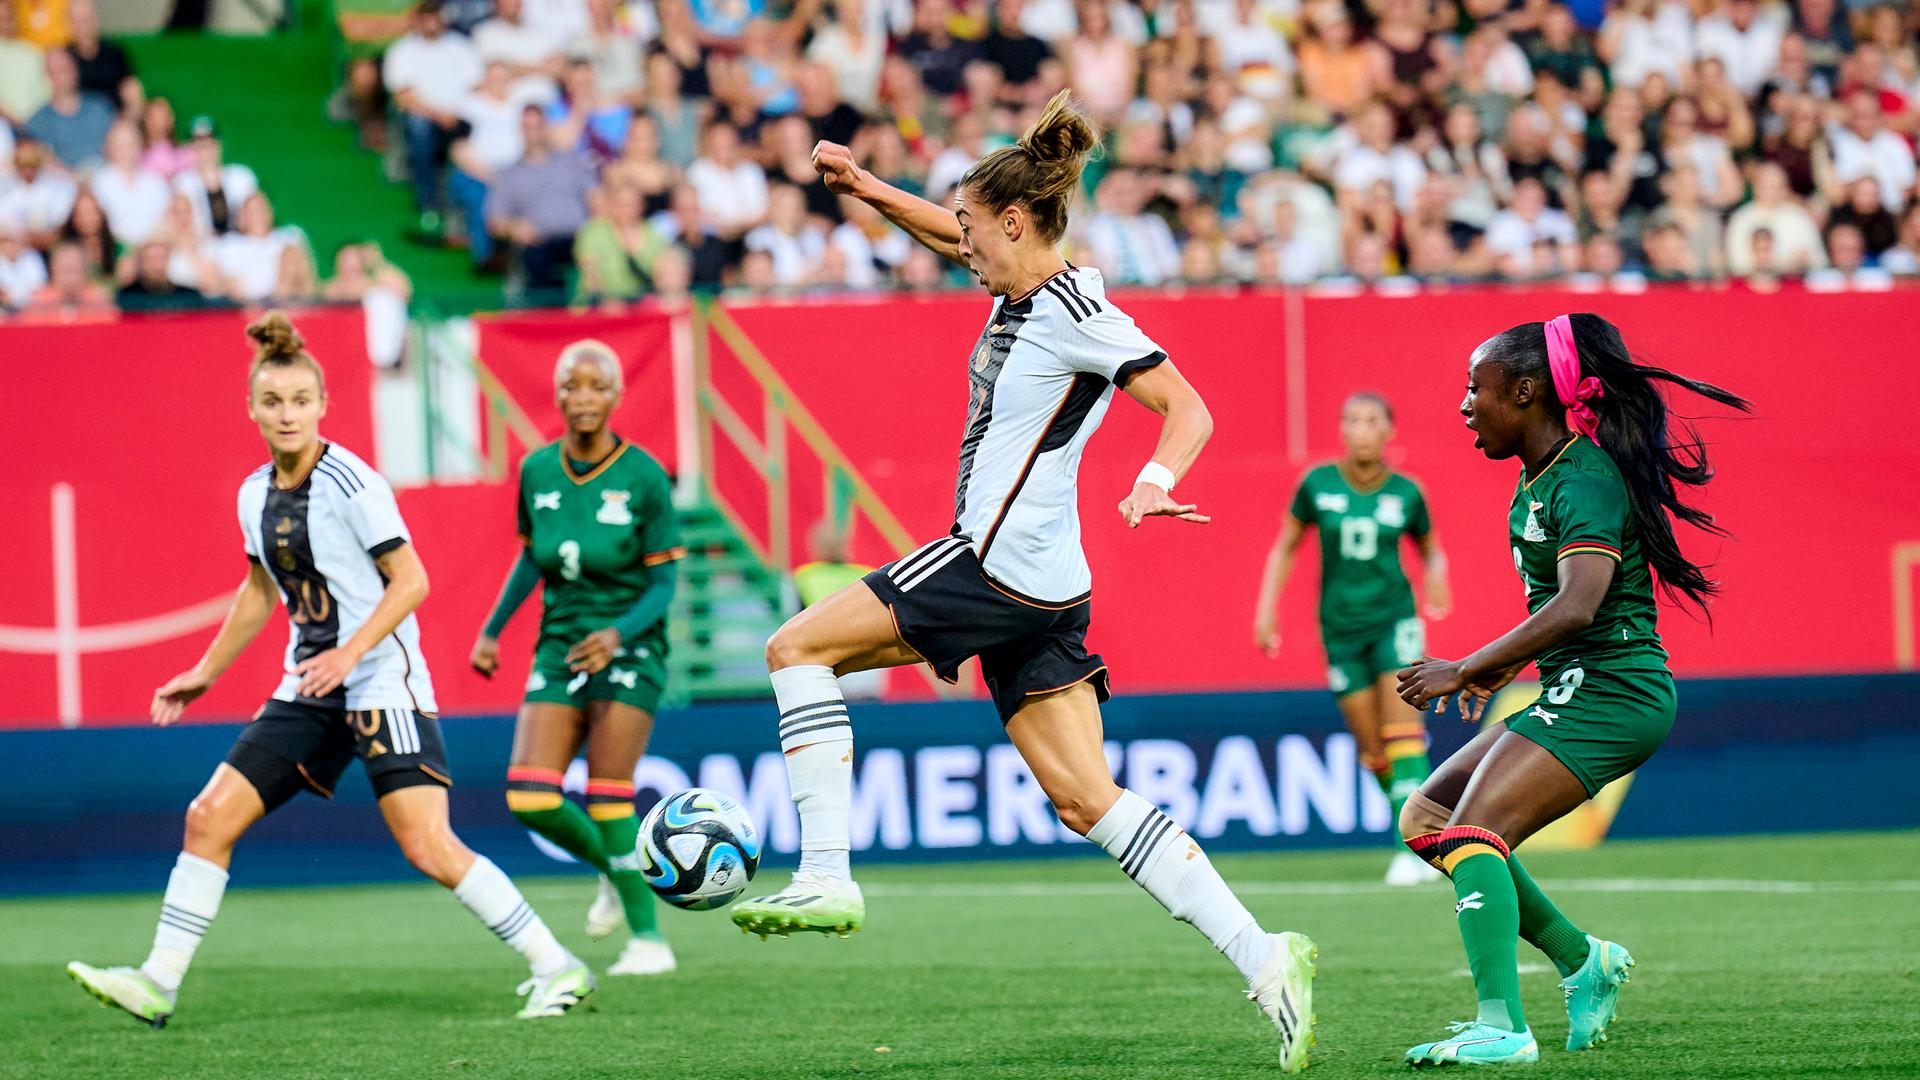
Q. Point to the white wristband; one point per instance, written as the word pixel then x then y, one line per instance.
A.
pixel 1156 474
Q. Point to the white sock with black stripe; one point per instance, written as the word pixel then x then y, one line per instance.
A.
pixel 493 899
pixel 1162 859
pixel 193 897
pixel 818 742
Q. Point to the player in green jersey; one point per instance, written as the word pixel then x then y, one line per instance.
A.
pixel 1362 510
pixel 599 532
pixel 1590 530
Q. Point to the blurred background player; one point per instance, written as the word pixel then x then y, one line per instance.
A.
pixel 1590 532
pixel 1362 509
pixel 831 570
pixel 598 530
pixel 322 527
pixel 1009 583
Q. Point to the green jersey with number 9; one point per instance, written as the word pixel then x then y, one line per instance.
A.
pixel 1363 589
pixel 593 535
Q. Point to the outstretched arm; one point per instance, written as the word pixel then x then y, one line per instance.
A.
pixel 934 226
pixel 1185 429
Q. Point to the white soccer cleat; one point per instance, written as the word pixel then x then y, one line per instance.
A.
pixel 819 905
pixel 556 993
pixel 1410 869
pixel 644 956
pixel 126 988
pixel 606 915
pixel 1284 992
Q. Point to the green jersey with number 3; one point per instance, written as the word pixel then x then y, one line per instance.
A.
pixel 593 535
pixel 1578 505
pixel 1363 589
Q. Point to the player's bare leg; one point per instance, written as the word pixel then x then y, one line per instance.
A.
pixel 848 631
pixel 417 817
pixel 617 735
pixel 1059 737
pixel 216 819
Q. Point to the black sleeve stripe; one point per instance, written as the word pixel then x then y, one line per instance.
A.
pixel 385 546
pixel 1068 301
pixel 1074 286
pixel 1134 367
pixel 342 475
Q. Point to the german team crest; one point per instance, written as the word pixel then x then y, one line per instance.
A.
pixel 613 508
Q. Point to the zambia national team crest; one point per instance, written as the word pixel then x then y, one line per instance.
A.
pixel 1390 510
pixel 613 508
pixel 1533 532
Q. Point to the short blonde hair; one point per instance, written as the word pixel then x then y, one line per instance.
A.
pixel 599 353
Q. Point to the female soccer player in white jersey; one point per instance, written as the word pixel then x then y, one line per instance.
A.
pixel 322 529
pixel 1010 584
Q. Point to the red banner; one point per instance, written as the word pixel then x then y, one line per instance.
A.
pixel 522 349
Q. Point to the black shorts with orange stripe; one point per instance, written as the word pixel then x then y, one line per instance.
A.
pixel 947 609
pixel 292 747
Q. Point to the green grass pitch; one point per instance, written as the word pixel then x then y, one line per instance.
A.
pixel 1775 956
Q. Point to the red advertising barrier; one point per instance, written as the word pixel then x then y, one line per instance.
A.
pixel 1818 486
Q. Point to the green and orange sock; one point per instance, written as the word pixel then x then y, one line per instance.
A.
pixel 610 803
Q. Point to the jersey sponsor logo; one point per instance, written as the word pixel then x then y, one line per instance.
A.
pixel 613 508
pixel 1331 501
pixel 1470 902
pixel 546 500
pixel 1390 510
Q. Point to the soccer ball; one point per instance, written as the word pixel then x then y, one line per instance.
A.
pixel 698 849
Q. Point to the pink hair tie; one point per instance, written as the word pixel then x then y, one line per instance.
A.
pixel 1563 360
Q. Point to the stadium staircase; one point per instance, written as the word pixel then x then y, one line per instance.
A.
pixel 729 602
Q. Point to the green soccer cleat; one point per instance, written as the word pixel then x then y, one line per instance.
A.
pixel 819 906
pixel 1474 1043
pixel 555 994
pixel 126 988
pixel 1593 993
pixel 1284 992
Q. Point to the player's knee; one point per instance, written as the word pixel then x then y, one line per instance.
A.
pixel 211 821
pixel 789 647
pixel 1082 808
pixel 1421 816
pixel 433 851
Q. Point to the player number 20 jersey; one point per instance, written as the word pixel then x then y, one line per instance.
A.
pixel 1040 379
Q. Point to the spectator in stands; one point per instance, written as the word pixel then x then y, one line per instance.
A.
pixel 1474 171
pixel 23 73
pixel 1016 53
pixel 539 203
pixel 854 50
pixel 1128 244
pixel 616 251
pixel 613 47
pixel 530 51
pixel 1603 210
pixel 1367 152
pixel 767 63
pixel 103 66
pixel 1559 49
pixel 1683 143
pixel 941 59
pixel 1531 239
pixel 189 256
pixel 872 248
pixel 163 154
pixel 1903 258
pixel 133 196
pixel 585 118
pixel 214 187
pixel 70 289
pixel 295 281
pixel 248 259
pixel 150 285
pixel 682 41
pixel 1699 224
pixel 360 270
pixel 87 229
pixel 1722 110
pixel 788 146
pixel 1335 70
pixel 795 243
pixel 429 72
pixel 685 223
pixel 1827 37
pixel 565 21
pixel 40 198
pixel 1800 149
pixel 73 122
pixel 1863 146
pixel 1602 262
pixel 44 23
pixel 491 114
pixel 1647 37
pixel 22 270
pixel 1747 42
pixel 1620 148
pixel 733 190
pixel 642 168
pixel 1411 64
pixel 721 21
pixel 1849 264
pixel 1669 258
pixel 676 116
pixel 1254 53
pixel 1797 247
pixel 1864 210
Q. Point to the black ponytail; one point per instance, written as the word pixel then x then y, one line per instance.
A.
pixel 1654 450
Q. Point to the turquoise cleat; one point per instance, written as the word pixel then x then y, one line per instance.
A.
pixel 1474 1043
pixel 1593 993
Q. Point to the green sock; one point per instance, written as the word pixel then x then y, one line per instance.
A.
pixel 1409 772
pixel 569 827
pixel 620 835
pixel 1489 915
pixel 1544 927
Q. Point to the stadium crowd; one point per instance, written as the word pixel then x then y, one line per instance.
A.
pixel 622 149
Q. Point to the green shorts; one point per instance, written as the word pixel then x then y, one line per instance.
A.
pixel 1353 663
pixel 1601 723
pixel 635 679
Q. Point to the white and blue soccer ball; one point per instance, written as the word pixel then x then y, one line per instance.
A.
pixel 698 849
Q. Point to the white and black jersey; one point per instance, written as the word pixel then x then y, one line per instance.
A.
pixel 319 540
pixel 1042 376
